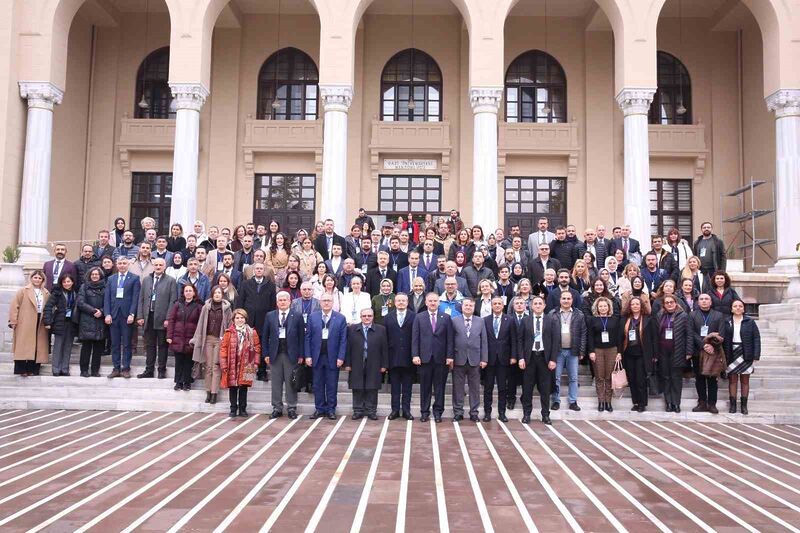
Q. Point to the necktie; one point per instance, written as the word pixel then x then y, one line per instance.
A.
pixel 427 262
pixel 56 270
pixel 325 321
pixel 283 318
pixel 433 321
pixel 366 345
pixel 383 273
pixel 536 332
pixel 401 317
pixel 413 274
pixel 496 326
pixel 468 325
pixel 542 238
pixel 625 246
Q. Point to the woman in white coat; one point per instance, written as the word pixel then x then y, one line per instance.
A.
pixel 354 301
pixel 677 246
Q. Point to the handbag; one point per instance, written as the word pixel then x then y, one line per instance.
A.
pixel 298 378
pixel 619 378
pixel 248 376
pixel 712 365
pixel 198 370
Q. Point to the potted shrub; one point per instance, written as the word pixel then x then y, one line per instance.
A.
pixel 12 274
pixel 733 263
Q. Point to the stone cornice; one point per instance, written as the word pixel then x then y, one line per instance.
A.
pixel 784 102
pixel 190 96
pixel 485 99
pixel 336 97
pixel 40 94
pixel 635 100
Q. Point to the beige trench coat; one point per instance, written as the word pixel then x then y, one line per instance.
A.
pixel 29 343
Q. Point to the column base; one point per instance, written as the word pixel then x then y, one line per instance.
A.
pixel 788 266
pixel 33 256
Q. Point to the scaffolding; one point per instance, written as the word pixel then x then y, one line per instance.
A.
pixel 751 240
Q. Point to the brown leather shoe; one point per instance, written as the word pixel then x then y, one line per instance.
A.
pixel 126 374
pixel 115 373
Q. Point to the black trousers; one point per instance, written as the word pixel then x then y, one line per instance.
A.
pixel 637 379
pixel 238 397
pixel 706 386
pixel 91 352
pixel 495 373
pixel 432 377
pixel 29 366
pixel 514 380
pixel 156 347
pixel 365 401
pixel 536 373
pixel 673 383
pixel 402 379
pixel 183 367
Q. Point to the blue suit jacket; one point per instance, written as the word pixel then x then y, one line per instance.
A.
pixel 431 345
pixel 399 338
pixel 403 282
pixel 120 308
pixel 337 337
pixel 295 332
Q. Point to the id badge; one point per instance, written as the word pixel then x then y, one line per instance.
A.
pixel 702 252
pixel 325 334
pixel 220 267
pixel 120 292
pixel 153 297
pixel 631 334
pixel 604 337
pixel 704 331
pixel 68 314
pixel 305 318
pixel 384 310
pixel 364 269
pixel 282 333
pixel 505 300
pixel 448 311
pixel 537 339
pixel 394 267
pixel 668 334
pixel 564 328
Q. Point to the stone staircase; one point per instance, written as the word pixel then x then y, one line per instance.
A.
pixel 774 391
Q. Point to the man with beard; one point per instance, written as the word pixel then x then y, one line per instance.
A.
pixel 710 249
pixel 127 248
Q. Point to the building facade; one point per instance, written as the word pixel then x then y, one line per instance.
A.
pixel 645 112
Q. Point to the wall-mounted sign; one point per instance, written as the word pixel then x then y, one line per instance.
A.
pixel 409 164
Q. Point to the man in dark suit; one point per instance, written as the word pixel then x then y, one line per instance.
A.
pixel 366 259
pixel 428 254
pixel 245 256
pixel 366 358
pixel 55 268
pixel 626 243
pixel 325 346
pixel 159 292
pixel 257 297
pixel 501 352
pixel 397 258
pixel 376 275
pixel 554 296
pixel 229 269
pixel 596 247
pixel 120 306
pixel 540 263
pixel 336 261
pixel 537 342
pixel 325 241
pixel 470 355
pixel 431 346
pixel 283 343
pixel 406 276
pixel 601 237
pixel 399 324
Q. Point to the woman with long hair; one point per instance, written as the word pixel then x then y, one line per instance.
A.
pixel 91 324
pixel 278 255
pixel 483 300
pixel 602 344
pixel 742 342
pixel 215 317
pixel 292 284
pixel 677 246
pixel 308 258
pixel 580 279
pixel 175 240
pixel 229 292
pixel 722 294
pixel 638 290
pixel 320 269
pixel 692 271
pixel 638 343
pixel 675 349
pixel 478 239
pixel 25 316
pixel 238 235
pixel 598 289
pixel 328 285
pixel 462 243
pixel 59 314
pixel 667 288
pixel 182 322
pixel 688 295
pixel 239 354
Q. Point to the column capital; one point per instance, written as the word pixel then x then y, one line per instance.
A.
pixel 190 96
pixel 784 102
pixel 336 97
pixel 485 99
pixel 40 94
pixel 635 100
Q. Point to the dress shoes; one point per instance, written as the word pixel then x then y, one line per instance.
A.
pixel 394 415
pixel 511 404
pixel 574 407
pixel 292 414
pixel 641 408
pixel 487 417
pixel 526 419
pixel 331 416
pixel 84 374
pixel 372 416
pixel 555 406
pixel 95 374
pixel 178 386
pixel 243 412
pixel 162 374
pixel 669 408
pixel 437 419
pixel 187 387
pixel 701 407
pixel 126 374
pixel 546 420
pixel 502 417
pixel 609 408
pixel 208 397
pixel 317 414
pixel 145 374
pixel 424 418
pixel 356 416
pixel 213 399
pixel 407 415
pixel 115 373
pixel 233 412
pixel 276 414
pixel 713 409
pixel 676 408
pixel 474 418
pixel 458 418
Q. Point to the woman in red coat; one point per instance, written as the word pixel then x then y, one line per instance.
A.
pixel 239 354
pixel 182 322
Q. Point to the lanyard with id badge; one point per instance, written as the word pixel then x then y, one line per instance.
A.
pixel 633 332
pixel 668 330
pixel 120 286
pixel 604 336
pixel 704 328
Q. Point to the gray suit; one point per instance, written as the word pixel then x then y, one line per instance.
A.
pixel 469 352
pixel 155 335
pixel 535 237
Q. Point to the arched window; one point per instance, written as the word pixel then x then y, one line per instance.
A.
pixel 288 85
pixel 536 89
pixel 398 85
pixel 672 103
pixel 152 83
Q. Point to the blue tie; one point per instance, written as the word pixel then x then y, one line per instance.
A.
pixel 366 330
pixel 496 326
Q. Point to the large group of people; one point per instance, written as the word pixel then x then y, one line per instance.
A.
pixel 417 299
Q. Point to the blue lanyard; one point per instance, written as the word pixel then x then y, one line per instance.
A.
pixel 306 308
pixel 605 323
pixel 705 318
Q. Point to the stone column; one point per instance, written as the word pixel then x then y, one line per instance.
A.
pixel 786 105
pixel 189 99
pixel 485 104
pixel 635 103
pixel 35 198
pixel 336 100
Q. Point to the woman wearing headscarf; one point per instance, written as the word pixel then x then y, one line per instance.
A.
pixel 115 238
pixel 239 354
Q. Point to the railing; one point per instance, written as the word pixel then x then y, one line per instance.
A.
pixel 144 135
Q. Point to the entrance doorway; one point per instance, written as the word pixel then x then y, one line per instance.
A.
pixel 287 198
